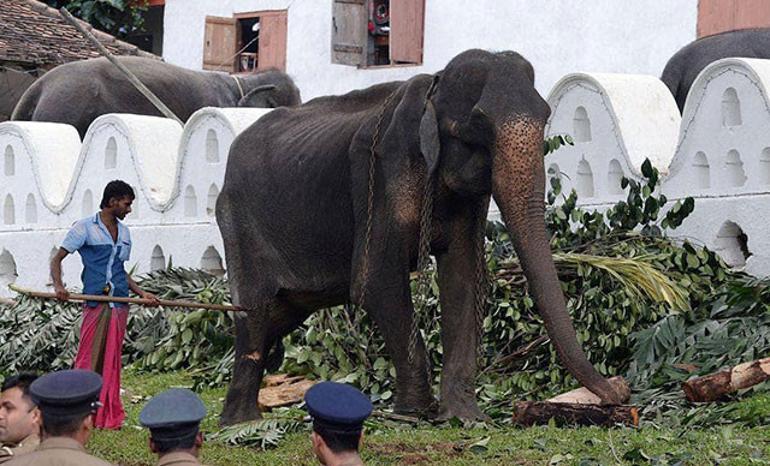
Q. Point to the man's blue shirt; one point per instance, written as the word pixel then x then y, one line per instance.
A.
pixel 102 258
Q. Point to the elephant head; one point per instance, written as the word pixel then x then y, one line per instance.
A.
pixel 481 134
pixel 269 89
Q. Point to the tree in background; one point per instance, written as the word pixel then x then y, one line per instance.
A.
pixel 117 17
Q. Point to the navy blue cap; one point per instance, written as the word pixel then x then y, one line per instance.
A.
pixel 173 415
pixel 337 407
pixel 67 393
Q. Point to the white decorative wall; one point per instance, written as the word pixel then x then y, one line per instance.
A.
pixel 49 180
pixel 718 152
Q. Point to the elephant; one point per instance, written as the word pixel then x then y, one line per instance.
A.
pixel 294 214
pixel 682 68
pixel 77 93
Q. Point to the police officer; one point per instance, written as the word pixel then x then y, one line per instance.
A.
pixel 19 418
pixel 338 413
pixel 68 401
pixel 173 418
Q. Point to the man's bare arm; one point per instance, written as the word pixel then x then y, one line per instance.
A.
pixel 58 285
pixel 141 293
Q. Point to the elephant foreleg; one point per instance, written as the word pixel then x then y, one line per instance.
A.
pixel 391 309
pixel 457 278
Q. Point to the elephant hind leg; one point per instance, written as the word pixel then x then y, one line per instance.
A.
pixel 258 348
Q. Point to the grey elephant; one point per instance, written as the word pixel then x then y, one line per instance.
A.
pixel 77 93
pixel 682 68
pixel 294 216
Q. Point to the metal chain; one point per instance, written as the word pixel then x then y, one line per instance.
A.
pixel 423 261
pixel 481 286
pixel 370 201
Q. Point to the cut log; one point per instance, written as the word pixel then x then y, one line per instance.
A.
pixel 282 390
pixel 715 386
pixel 585 396
pixel 530 413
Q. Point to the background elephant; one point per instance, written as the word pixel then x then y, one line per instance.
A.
pixel 293 216
pixel 682 68
pixel 77 93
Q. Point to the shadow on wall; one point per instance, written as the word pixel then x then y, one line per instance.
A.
pixel 211 262
pixel 732 244
pixel 8 272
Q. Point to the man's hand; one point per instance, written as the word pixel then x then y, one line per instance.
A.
pixel 61 293
pixel 150 297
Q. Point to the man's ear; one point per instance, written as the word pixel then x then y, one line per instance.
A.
pixel 199 439
pixel 151 445
pixel 317 440
pixel 37 418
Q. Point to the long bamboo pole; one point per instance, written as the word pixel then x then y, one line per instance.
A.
pixel 131 76
pixel 117 299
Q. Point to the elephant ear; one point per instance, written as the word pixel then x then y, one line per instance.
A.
pixel 260 96
pixel 413 127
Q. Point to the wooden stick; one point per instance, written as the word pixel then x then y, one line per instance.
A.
pixel 714 386
pixel 530 413
pixel 131 77
pixel 117 299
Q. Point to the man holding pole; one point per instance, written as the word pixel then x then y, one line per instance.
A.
pixel 104 244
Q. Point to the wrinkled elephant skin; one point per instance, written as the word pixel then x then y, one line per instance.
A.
pixel 293 215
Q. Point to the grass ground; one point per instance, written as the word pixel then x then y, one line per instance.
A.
pixel 455 445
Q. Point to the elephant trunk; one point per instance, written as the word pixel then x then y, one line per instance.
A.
pixel 518 183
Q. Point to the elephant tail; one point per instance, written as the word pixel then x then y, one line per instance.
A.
pixel 25 107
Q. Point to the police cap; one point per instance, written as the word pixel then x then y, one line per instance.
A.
pixel 337 407
pixel 67 393
pixel 173 415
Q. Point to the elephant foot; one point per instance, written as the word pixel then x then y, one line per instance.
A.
pixel 422 405
pixel 458 399
pixel 239 414
pixel 466 411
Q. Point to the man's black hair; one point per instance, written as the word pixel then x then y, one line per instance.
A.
pixel 339 442
pixel 62 426
pixel 116 189
pixel 165 446
pixel 21 381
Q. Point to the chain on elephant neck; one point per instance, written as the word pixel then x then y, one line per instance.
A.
pixel 370 200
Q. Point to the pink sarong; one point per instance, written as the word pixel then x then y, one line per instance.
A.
pixel 100 350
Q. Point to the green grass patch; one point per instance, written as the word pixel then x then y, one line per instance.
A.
pixel 387 443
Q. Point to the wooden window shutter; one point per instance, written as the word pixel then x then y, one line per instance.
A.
pixel 407 19
pixel 349 20
pixel 715 16
pixel 272 40
pixel 220 42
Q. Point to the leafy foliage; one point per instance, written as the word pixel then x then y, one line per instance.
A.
pixel 117 17
pixel 641 302
pixel 263 434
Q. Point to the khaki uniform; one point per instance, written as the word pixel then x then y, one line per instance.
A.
pixel 9 452
pixel 178 459
pixel 58 451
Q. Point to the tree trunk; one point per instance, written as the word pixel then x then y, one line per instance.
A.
pixel 714 386
pixel 530 413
